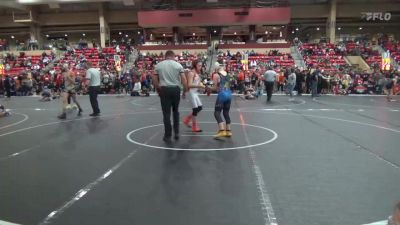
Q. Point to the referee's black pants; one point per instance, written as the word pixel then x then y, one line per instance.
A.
pixel 269 86
pixel 93 92
pixel 170 97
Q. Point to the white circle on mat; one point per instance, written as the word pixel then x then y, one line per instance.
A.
pixel 275 136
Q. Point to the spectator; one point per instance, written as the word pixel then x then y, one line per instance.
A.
pixel 136 88
pixel 291 84
pixel 8 86
pixel 300 78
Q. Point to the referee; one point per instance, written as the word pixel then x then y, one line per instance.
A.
pixel 269 79
pixel 168 77
pixel 93 81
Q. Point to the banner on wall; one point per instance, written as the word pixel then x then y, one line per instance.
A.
pixel 386 61
pixel 376 16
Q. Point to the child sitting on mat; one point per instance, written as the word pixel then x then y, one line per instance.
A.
pixel 3 111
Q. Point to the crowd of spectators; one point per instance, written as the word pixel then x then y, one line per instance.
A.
pixel 341 77
pixel 329 57
pixel 394 48
pixel 133 74
pixel 25 74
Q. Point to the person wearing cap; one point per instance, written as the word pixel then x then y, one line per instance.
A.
pixel 168 78
pixel 221 81
pixel 269 79
pixel 93 81
pixel 69 92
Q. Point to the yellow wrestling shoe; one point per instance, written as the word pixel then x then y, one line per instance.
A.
pixel 220 134
pixel 228 133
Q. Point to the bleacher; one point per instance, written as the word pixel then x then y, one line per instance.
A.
pixel 284 60
pixel 91 55
pixel 16 70
pixel 148 61
pixel 325 56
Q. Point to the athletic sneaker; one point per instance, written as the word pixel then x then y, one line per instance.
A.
pixel 195 126
pixel 167 140
pixel 62 116
pixel 187 120
pixel 220 134
pixel 228 133
pixel 196 129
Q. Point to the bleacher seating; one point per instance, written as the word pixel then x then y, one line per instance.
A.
pixel 325 56
pixel 18 65
pixel 281 60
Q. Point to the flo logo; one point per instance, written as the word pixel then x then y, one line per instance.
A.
pixel 376 16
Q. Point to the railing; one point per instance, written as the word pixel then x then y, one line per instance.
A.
pixel 301 58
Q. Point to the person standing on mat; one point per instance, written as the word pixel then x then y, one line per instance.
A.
pixel 194 84
pixel 314 83
pixel 93 81
pixel 390 84
pixel 269 79
pixel 221 81
pixel 300 78
pixel 168 77
pixel 8 86
pixel 68 92
pixel 291 83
